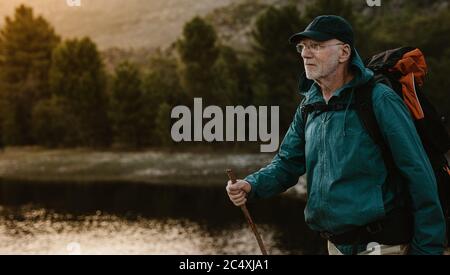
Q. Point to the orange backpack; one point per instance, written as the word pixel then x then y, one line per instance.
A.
pixel 404 70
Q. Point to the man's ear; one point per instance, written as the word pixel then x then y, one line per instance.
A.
pixel 346 53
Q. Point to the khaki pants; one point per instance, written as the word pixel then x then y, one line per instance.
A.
pixel 375 249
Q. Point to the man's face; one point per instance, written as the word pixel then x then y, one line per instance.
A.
pixel 320 58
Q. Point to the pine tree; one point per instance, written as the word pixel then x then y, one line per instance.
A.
pixel 232 79
pixel 161 86
pixel 130 124
pixel 53 123
pixel 26 45
pixel 198 51
pixel 276 64
pixel 77 75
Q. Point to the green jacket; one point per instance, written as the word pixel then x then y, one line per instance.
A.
pixel 346 176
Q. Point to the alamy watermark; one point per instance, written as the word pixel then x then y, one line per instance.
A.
pixel 370 3
pixel 73 3
pixel 373 3
pixel 73 248
pixel 213 130
pixel 373 248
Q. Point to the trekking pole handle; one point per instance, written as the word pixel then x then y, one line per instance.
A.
pixel 247 215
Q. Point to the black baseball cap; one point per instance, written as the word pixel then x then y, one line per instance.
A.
pixel 326 27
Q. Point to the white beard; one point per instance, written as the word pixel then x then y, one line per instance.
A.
pixel 321 70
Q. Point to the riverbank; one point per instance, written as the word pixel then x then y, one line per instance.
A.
pixel 34 163
pixel 86 165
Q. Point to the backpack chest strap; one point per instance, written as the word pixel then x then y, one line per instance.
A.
pixel 321 107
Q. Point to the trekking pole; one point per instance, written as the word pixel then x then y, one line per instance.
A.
pixel 244 209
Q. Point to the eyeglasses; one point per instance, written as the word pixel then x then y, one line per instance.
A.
pixel 314 47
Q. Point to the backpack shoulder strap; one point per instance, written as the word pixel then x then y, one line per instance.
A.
pixel 365 111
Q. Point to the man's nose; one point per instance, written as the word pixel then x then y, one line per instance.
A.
pixel 306 53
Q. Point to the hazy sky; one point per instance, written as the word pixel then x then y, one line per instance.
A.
pixel 122 23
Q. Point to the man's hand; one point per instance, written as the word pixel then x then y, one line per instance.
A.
pixel 238 191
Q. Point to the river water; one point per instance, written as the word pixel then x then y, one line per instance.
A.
pixel 37 231
pixel 159 216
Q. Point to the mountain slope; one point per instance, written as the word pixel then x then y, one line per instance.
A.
pixel 157 23
pixel 119 23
